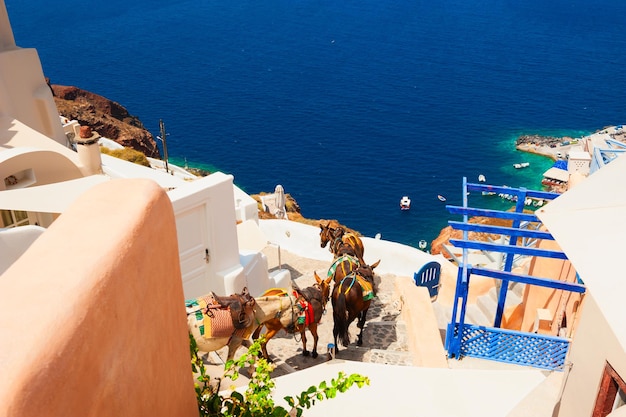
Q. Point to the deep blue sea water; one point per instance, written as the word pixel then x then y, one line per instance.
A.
pixel 348 104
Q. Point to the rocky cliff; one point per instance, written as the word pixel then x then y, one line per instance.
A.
pixel 108 118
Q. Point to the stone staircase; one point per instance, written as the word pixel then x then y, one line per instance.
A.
pixel 483 311
pixel 384 336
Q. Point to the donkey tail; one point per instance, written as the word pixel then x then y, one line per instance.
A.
pixel 340 316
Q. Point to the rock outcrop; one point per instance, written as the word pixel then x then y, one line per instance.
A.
pixel 448 233
pixel 108 118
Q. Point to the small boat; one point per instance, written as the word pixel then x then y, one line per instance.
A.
pixel 405 203
pixel 521 165
pixel 481 178
pixel 441 198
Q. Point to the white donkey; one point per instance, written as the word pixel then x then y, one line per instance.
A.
pixel 199 318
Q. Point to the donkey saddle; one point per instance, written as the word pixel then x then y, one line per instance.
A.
pixel 240 306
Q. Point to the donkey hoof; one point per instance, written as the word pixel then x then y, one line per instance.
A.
pixel 314 354
pixel 359 342
pixel 305 353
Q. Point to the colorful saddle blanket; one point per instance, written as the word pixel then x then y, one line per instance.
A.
pixel 340 263
pixel 366 287
pixel 306 314
pixel 216 320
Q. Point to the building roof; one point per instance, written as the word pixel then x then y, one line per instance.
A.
pixel 588 223
pixel 119 168
pixel 580 154
pixel 50 198
pixel 15 134
pixel 557 174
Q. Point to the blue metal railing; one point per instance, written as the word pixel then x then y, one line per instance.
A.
pixel 494 343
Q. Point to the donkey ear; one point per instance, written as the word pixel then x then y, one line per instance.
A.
pixel 317 278
pixel 375 265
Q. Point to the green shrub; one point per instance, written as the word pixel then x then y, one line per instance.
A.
pixel 257 399
pixel 127 154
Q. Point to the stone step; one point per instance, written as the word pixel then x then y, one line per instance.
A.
pixel 389 357
pixel 488 303
pixel 383 342
pixel 474 315
pixel 518 289
pixel 388 335
pixel 512 299
pixel 484 310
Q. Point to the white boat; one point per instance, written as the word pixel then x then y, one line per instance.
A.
pixel 481 178
pixel 441 198
pixel 521 165
pixel 405 203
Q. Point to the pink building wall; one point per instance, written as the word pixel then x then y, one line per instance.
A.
pixel 92 318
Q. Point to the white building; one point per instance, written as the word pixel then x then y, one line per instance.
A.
pixel 41 175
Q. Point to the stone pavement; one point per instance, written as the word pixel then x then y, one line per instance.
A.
pixel 384 335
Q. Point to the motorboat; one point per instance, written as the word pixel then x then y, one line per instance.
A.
pixel 481 178
pixel 441 198
pixel 405 203
pixel 521 165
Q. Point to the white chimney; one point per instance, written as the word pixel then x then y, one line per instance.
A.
pixel 89 151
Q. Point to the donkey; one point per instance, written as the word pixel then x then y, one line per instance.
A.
pixel 199 320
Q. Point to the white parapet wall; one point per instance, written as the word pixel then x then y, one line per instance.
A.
pixel 14 242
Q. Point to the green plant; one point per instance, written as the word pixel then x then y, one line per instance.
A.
pixel 127 154
pixel 257 399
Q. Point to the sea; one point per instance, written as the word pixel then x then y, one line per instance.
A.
pixel 349 105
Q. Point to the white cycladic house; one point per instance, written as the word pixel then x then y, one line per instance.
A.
pixel 45 165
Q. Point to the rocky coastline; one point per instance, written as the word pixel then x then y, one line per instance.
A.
pixel 539 140
pixel 109 118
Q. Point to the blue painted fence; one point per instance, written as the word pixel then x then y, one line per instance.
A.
pixel 494 343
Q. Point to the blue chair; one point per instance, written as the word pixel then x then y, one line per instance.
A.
pixel 428 276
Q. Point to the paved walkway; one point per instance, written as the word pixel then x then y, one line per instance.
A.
pixel 384 336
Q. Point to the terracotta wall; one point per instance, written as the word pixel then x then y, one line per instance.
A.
pixel 92 318
pixel 556 301
pixel 423 336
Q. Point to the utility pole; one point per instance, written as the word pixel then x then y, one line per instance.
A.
pixel 162 138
